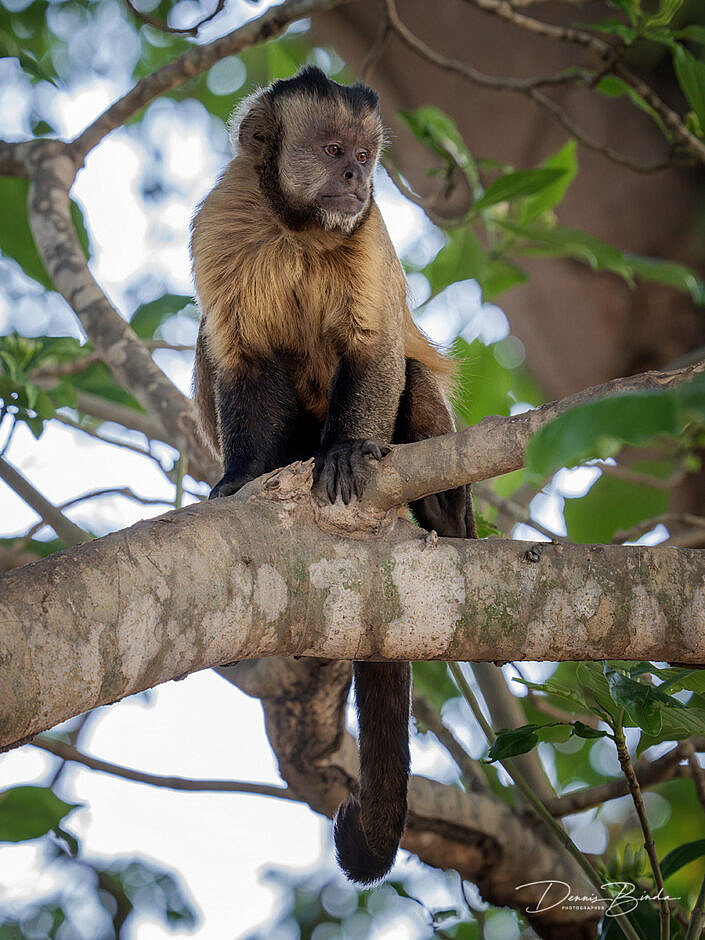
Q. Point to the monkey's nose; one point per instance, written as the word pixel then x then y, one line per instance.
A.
pixel 348 175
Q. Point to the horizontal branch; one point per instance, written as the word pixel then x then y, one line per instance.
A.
pixel 208 584
pixel 69 752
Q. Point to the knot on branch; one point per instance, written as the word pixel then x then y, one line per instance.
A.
pixel 360 519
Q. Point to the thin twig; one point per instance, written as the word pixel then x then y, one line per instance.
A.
pixel 427 714
pixel 427 203
pixel 606 51
pixel 74 738
pixel 165 28
pixel 514 511
pixel 697 772
pixel 648 773
pixel 495 83
pixel 553 826
pixel 625 762
pixel 643 479
pixel 376 49
pixel 126 445
pixel 667 519
pixel 504 10
pixel 614 155
pixel 531 87
pixel 81 363
pixel 68 752
pixel 697 918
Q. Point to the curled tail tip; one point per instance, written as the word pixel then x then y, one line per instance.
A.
pixel 354 855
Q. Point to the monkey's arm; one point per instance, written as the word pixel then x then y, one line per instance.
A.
pixel 362 409
pixel 256 406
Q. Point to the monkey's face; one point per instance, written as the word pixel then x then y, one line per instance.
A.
pixel 327 162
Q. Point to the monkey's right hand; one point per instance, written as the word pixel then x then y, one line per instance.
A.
pixel 344 467
pixel 231 484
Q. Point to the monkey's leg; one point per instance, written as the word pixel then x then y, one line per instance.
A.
pixel 257 411
pixel 362 407
pixel 423 413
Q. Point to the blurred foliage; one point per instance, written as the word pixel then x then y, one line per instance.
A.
pixel 320 907
pixel 95 900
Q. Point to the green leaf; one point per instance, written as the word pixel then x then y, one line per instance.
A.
pixel 30 812
pixel 612 505
pixel 10 49
pixel 668 273
pixel 614 28
pixel 667 9
pixel 681 856
pixel 147 318
pixel 16 239
pixel 463 257
pixel 459 259
pixel 564 160
pixel 558 241
pixel 691 33
pixel 518 184
pixel 637 699
pixel 510 743
pixel 440 134
pixel 691 77
pixel 581 730
pixel 98 380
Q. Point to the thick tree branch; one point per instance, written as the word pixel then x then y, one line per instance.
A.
pixel 111 617
pixel 127 357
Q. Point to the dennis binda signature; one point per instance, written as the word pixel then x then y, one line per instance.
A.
pixel 620 897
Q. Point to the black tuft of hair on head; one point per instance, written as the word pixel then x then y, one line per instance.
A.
pixel 312 81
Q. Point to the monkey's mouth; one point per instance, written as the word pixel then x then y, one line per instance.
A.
pixel 342 202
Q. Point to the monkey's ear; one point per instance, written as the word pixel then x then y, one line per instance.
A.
pixel 255 130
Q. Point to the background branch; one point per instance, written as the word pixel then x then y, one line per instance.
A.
pixel 66 530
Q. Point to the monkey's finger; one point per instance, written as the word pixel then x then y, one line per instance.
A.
pixel 375 449
pixel 344 478
pixel 330 482
pixel 358 484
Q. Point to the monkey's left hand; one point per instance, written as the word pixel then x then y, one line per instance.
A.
pixel 344 467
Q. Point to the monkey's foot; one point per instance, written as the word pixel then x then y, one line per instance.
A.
pixel 344 467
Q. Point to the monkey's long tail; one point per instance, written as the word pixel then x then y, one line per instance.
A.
pixel 368 829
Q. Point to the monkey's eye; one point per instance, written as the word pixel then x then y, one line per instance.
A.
pixel 334 150
pixel 362 156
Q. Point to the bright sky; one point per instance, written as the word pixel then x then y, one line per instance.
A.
pixel 203 726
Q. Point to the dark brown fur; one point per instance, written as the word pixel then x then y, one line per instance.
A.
pixel 307 348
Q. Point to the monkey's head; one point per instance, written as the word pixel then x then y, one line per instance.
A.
pixel 315 145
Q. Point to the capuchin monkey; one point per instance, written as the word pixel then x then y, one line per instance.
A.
pixel 307 348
